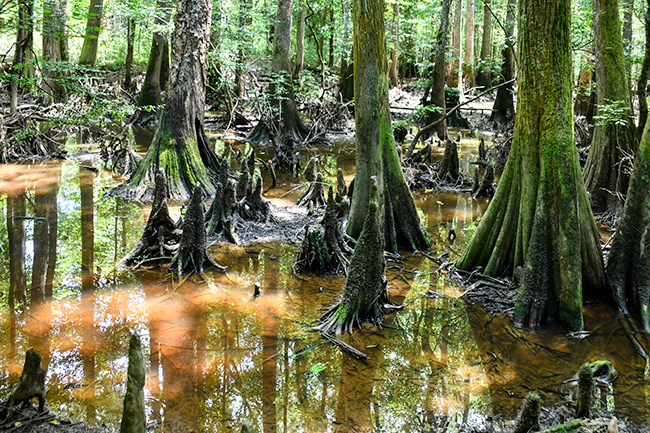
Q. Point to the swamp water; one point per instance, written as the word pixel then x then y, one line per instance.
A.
pixel 216 356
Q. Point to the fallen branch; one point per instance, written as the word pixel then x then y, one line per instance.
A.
pixel 345 346
pixel 428 128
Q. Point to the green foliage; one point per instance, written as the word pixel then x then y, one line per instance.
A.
pixel 613 113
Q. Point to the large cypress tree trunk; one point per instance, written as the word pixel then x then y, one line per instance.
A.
pixel 540 218
pixel 437 91
pixel 180 147
pixel 628 268
pixel 605 176
pixel 454 63
pixel 88 54
pixel 284 125
pixel 503 110
pixel 376 152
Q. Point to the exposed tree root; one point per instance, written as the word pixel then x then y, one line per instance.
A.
pixel 192 255
pixel 22 140
pixel 119 157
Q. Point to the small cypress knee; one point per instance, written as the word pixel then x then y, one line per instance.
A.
pixel 585 391
pixel 528 418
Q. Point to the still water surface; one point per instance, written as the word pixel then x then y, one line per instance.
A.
pixel 216 356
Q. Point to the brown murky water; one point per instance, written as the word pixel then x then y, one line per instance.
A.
pixel 216 356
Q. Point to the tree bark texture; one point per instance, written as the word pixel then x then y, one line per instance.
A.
pixel 484 78
pixel 365 291
pixel 180 147
pixel 540 217
pixel 437 91
pixel 376 151
pixel 22 52
pixel 157 73
pixel 628 268
pixel 644 75
pixel 503 110
pixel 52 32
pixel 88 54
pixel 468 57
pixel 128 63
pixel 454 63
pixel 605 173
pixel 393 70
pixel 300 43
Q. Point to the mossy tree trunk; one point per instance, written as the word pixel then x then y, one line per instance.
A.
pixel 540 217
pixel 454 62
pixel 628 268
pixel 88 54
pixel 503 110
pixel 157 73
pixel 437 92
pixel 605 173
pixel 365 292
pixel 180 147
pixel 376 151
pixel 284 125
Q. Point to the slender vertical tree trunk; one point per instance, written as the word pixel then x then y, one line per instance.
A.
pixel 22 50
pixel 156 76
pixel 437 89
pixel 52 32
pixel 245 21
pixel 539 218
pixel 330 62
pixel 484 78
pixel 585 94
pixel 468 58
pixel 393 70
pixel 503 110
pixel 63 31
pixel 300 44
pixel 644 75
pixel 453 79
pixel 606 174
pixel 627 6
pixel 128 64
pixel 88 54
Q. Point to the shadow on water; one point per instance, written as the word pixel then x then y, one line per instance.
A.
pixel 217 356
